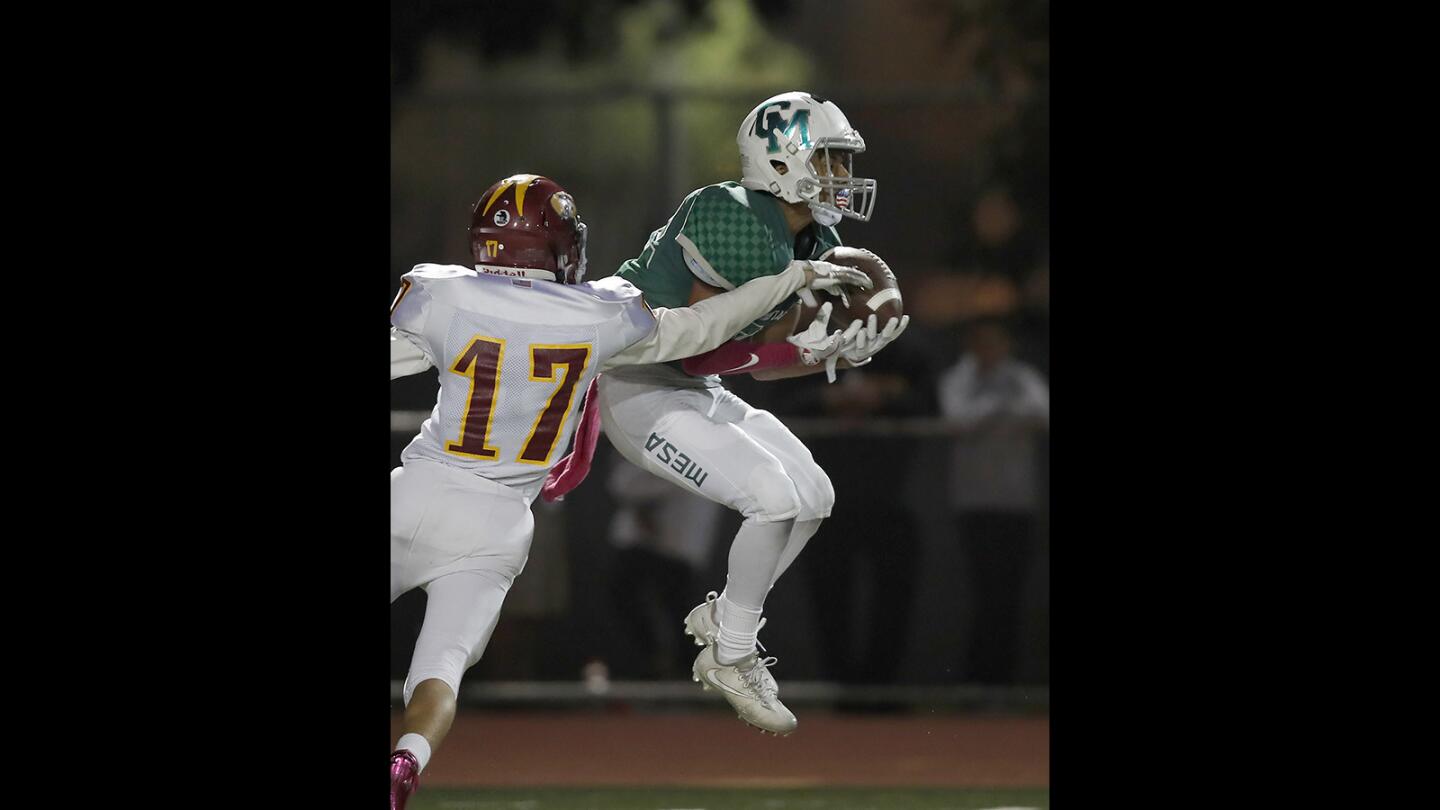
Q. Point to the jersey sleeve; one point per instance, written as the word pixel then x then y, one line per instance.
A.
pixel 412 303
pixel 409 312
pixel 724 242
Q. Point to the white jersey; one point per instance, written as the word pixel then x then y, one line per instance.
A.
pixel 515 357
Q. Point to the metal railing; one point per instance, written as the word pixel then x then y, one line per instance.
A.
pixel 683 693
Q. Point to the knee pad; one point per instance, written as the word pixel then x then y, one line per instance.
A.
pixel 824 497
pixel 772 495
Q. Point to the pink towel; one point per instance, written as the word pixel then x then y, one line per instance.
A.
pixel 569 471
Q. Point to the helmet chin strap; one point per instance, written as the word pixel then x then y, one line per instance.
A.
pixel 825 216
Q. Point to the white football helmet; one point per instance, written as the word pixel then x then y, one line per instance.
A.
pixel 789 130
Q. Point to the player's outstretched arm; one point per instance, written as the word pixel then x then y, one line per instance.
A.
pixel 687 331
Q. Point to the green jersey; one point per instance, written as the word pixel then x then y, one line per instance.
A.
pixel 724 235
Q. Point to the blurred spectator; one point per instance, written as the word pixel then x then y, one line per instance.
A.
pixel 664 537
pixel 1000 408
pixel 1000 268
pixel 1001 240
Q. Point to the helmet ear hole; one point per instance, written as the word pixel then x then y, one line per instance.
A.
pixel 779 167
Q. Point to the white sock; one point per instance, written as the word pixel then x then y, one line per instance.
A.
pixel 738 631
pixel 417 745
pixel 753 556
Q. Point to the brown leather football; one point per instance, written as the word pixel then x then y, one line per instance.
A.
pixel 883 300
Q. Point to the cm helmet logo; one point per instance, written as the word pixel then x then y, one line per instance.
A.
pixel 770 120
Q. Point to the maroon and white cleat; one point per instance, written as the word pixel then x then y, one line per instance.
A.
pixel 404 778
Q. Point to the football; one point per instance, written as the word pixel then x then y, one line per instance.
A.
pixel 883 300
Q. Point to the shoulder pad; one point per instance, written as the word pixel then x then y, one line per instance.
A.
pixel 440 271
pixel 612 288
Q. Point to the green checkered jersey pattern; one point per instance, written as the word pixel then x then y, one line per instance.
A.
pixel 724 235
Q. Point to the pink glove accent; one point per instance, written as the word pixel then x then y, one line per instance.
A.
pixel 569 471
pixel 739 357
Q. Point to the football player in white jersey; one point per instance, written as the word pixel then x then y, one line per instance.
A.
pixel 515 340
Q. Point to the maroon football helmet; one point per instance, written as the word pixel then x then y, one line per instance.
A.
pixel 528 225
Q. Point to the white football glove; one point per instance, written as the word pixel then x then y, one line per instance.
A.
pixel 832 278
pixel 868 342
pixel 817 344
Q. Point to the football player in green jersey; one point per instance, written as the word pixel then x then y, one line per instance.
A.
pixel 677 421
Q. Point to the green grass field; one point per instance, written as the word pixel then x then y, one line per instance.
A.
pixel 682 798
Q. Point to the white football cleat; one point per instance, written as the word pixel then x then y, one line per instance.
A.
pixel 748 686
pixel 700 621
pixel 700 624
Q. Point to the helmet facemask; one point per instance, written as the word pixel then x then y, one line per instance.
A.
pixel 572 270
pixel 836 194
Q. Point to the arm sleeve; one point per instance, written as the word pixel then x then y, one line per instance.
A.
pixel 406 357
pixel 696 329
pixel 742 357
pixel 409 353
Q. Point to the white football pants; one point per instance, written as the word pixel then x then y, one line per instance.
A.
pixel 712 443
pixel 463 539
